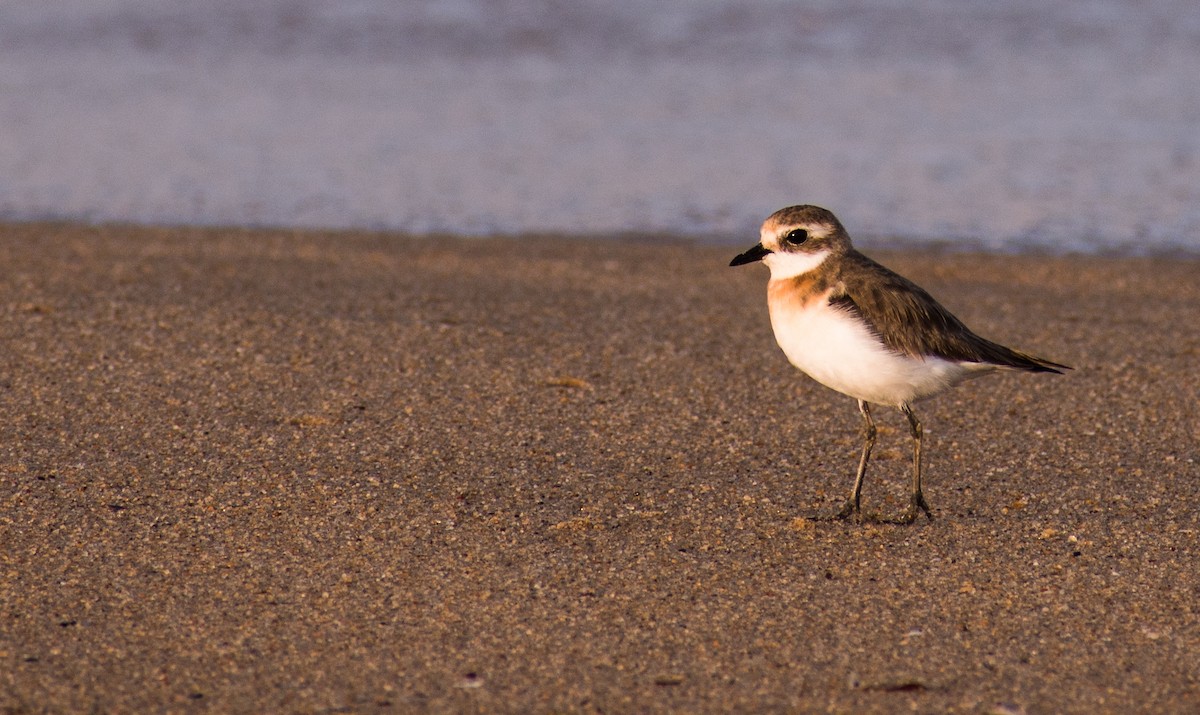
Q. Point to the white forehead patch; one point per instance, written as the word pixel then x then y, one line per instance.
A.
pixel 790 265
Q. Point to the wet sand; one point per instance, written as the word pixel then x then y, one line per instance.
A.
pixel 271 471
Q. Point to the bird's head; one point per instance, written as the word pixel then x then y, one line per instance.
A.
pixel 795 240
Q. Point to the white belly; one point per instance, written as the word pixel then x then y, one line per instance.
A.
pixel 838 351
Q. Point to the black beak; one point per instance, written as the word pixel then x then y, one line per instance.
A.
pixel 754 254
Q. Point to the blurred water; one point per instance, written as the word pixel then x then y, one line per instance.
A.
pixel 1061 126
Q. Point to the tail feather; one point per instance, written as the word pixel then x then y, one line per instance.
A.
pixel 1007 357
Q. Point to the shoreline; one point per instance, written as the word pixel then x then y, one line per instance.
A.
pixel 256 470
pixel 933 246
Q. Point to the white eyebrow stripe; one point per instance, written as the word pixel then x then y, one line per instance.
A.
pixel 772 235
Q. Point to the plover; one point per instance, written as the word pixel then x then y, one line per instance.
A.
pixel 867 332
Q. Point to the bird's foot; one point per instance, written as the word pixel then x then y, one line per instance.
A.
pixel 849 510
pixel 917 505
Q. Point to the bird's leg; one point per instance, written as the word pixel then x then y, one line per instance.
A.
pixel 852 505
pixel 918 499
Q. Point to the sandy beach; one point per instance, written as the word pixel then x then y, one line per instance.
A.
pixel 280 471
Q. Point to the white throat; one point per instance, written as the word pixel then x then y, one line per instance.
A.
pixel 790 265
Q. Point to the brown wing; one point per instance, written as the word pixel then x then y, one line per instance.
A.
pixel 911 322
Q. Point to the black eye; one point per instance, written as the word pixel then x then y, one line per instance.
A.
pixel 797 236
